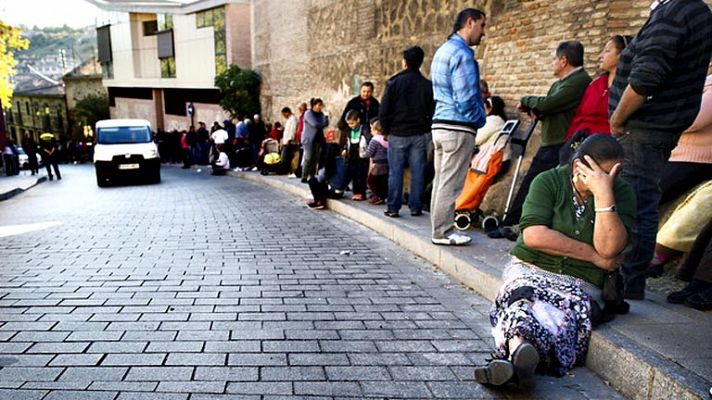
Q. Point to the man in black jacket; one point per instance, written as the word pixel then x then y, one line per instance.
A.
pixel 366 105
pixel 406 115
pixel 654 98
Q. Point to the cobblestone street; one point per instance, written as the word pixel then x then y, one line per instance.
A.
pixel 208 287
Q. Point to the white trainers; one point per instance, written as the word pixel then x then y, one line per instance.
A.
pixel 454 239
pixel 291 176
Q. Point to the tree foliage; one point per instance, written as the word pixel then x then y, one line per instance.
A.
pixel 91 109
pixel 240 90
pixel 10 41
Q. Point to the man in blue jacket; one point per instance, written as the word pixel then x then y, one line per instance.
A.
pixel 459 112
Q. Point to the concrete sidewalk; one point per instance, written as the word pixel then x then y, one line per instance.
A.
pixel 657 351
pixel 15 184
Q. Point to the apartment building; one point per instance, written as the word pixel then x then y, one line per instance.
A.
pixel 159 60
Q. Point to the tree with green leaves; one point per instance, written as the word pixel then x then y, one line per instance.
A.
pixel 89 110
pixel 10 41
pixel 240 90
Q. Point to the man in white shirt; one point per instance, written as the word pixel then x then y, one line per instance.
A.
pixel 290 146
pixel 219 136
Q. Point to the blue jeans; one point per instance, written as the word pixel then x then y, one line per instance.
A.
pixel 646 153
pixel 414 150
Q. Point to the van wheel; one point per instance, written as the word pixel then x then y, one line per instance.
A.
pixel 100 181
pixel 156 176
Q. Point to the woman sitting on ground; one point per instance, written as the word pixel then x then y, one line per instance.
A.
pixel 222 163
pixel 575 224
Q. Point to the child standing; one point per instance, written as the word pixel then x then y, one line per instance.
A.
pixel 355 152
pixel 377 180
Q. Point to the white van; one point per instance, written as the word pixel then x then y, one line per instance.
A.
pixel 125 147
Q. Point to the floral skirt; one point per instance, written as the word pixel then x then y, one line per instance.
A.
pixel 550 311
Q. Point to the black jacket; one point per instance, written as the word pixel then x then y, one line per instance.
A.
pixel 667 63
pixel 407 105
pixel 365 113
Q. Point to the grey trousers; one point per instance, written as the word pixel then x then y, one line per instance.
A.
pixel 453 152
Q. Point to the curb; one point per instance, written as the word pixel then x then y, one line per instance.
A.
pixel 14 192
pixel 634 371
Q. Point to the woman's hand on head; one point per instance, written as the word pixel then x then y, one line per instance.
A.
pixel 598 181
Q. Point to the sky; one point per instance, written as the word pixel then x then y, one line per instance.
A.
pixel 45 13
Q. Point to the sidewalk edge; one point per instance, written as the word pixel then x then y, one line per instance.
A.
pixel 14 192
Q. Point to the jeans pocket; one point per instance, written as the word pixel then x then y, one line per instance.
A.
pixel 449 146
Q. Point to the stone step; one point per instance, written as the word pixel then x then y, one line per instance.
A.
pixel 657 351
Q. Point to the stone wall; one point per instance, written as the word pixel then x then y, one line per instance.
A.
pixel 326 48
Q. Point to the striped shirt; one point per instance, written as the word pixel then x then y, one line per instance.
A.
pixel 667 63
pixel 456 87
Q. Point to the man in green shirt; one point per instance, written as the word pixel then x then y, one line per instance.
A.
pixel 555 111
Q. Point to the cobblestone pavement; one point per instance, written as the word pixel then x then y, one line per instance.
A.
pixel 212 288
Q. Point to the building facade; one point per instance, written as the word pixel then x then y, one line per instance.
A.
pixel 158 60
pixel 38 106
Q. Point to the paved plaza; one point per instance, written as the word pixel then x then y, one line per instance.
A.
pixel 215 288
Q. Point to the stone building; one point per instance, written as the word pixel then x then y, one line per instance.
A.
pixel 38 105
pixel 82 82
pixel 326 48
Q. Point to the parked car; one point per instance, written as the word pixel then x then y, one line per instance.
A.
pixel 125 148
pixel 25 159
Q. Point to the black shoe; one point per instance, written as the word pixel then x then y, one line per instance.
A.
pixel 391 214
pixel 691 289
pixel 51 177
pixel 495 233
pixel 510 232
pixel 634 294
pixel 504 231
pixel 525 360
pixel 497 373
pixel 304 180
pixel 316 205
pixel 416 213
pixel 701 301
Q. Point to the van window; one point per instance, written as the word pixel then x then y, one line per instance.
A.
pixel 123 134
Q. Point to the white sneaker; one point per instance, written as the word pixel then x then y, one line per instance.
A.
pixel 292 176
pixel 454 239
pixel 254 169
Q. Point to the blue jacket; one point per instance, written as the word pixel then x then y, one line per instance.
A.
pixel 456 85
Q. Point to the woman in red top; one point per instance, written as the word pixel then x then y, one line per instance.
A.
pixel 592 112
